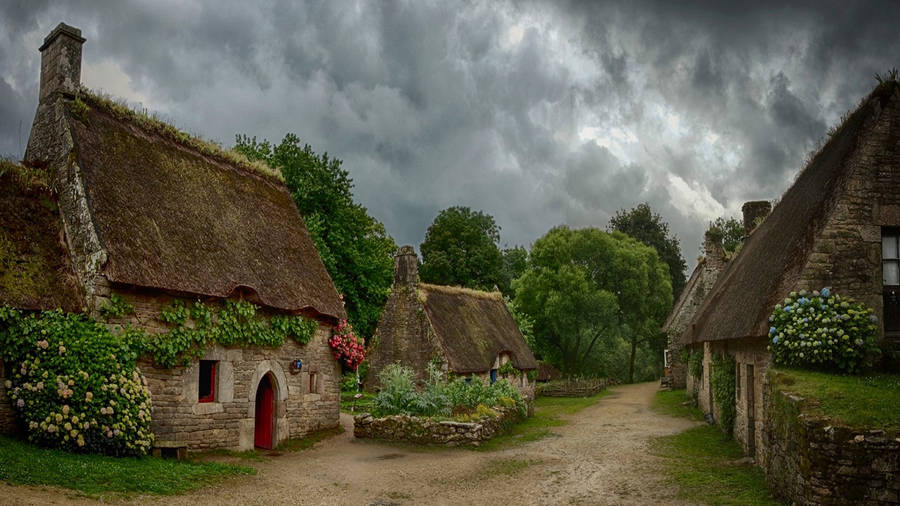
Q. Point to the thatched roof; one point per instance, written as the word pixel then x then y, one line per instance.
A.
pixel 34 271
pixel 473 327
pixel 175 217
pixel 769 265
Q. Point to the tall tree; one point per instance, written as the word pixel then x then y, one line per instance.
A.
pixel 589 291
pixel 460 248
pixel 354 246
pixel 515 261
pixel 649 228
pixel 731 232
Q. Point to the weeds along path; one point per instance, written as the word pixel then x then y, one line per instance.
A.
pixel 599 457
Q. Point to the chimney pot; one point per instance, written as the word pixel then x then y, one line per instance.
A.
pixel 61 61
pixel 406 267
pixel 752 211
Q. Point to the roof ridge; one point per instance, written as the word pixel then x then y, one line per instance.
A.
pixel 149 122
pixel 461 290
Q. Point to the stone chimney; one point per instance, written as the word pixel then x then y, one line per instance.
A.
pixel 60 62
pixel 753 210
pixel 713 251
pixel 406 267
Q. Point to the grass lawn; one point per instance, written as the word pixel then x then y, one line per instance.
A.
pixel 363 404
pixel 702 462
pixel 23 463
pixel 857 401
pixel 671 402
pixel 547 412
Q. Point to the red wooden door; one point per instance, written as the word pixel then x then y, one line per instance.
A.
pixel 265 411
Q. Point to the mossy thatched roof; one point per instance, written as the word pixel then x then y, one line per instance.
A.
pixel 771 260
pixel 473 327
pixel 34 269
pixel 177 217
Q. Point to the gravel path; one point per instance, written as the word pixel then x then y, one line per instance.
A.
pixel 599 457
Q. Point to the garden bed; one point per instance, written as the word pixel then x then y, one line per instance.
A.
pixel 434 431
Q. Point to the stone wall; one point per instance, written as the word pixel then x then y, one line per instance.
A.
pixel 403 335
pixel 178 419
pixel 433 432
pixel 575 388
pixel 812 461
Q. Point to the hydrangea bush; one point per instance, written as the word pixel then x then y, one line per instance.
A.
pixel 822 330
pixel 74 384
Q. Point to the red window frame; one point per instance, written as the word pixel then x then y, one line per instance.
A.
pixel 212 382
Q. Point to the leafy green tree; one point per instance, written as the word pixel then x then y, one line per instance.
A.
pixel 515 261
pixel 592 294
pixel 649 228
pixel 354 246
pixel 460 248
pixel 731 232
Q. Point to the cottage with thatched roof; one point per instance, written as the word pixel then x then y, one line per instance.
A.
pixel 128 211
pixel 468 332
pixel 701 282
pixel 838 227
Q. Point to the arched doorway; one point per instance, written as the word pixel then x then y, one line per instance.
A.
pixel 265 413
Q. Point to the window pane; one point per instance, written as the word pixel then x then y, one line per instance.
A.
pixel 891 273
pixel 888 246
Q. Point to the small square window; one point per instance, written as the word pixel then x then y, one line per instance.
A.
pixel 313 383
pixel 207 390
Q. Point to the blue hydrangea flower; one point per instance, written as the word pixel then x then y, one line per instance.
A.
pixel 873 318
pixel 826 292
pixel 775 340
pixel 771 330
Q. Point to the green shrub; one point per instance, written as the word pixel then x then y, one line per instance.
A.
pixel 438 397
pixel 398 391
pixel 74 385
pixel 348 382
pixel 821 330
pixel 722 380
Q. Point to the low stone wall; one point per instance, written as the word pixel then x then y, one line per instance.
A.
pixel 811 461
pixel 428 431
pixel 575 388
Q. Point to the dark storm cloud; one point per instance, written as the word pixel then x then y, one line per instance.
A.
pixel 538 113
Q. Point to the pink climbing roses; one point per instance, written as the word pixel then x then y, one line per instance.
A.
pixel 346 347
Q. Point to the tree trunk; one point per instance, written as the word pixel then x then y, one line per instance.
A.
pixel 631 361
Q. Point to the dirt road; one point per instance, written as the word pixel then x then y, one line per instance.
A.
pixel 599 457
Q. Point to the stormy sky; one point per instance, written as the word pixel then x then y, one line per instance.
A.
pixel 538 113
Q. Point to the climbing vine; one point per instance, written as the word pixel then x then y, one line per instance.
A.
pixel 508 369
pixel 695 364
pixel 116 307
pixel 196 328
pixel 722 379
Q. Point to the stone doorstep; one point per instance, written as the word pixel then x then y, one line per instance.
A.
pixel 169 449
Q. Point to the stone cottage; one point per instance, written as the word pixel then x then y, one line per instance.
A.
pixel 468 332
pixel 837 226
pixel 700 283
pixel 141 213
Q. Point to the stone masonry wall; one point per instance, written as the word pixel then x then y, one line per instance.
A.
pixel 813 462
pixel 846 255
pixel 746 354
pixel 432 432
pixel 178 419
pixel 403 335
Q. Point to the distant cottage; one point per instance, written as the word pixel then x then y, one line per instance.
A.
pixel 838 226
pixel 138 210
pixel 466 332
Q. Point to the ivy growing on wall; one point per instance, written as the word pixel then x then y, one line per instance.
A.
pixel 722 380
pixel 695 364
pixel 196 328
